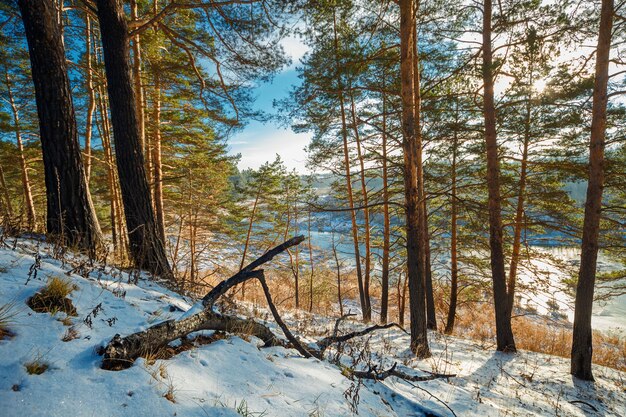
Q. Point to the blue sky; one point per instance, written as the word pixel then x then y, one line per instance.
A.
pixel 260 142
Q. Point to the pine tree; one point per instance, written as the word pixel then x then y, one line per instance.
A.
pixel 70 213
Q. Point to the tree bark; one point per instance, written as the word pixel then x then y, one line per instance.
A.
pixel 146 247
pixel 247 244
pixel 31 217
pixel 346 161
pixel 295 266
pixel 402 287
pixel 91 102
pixel 311 262
pixel 431 315
pixel 338 271
pixel 582 348
pixel 454 268
pixel 156 158
pixel 367 314
pixel 424 246
pixel 70 213
pixel 519 211
pixel 104 130
pixel 411 147
pixel 6 198
pixel 384 302
pixel 504 334
pixel 134 14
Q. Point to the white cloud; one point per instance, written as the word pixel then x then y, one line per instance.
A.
pixel 263 142
pixel 295 48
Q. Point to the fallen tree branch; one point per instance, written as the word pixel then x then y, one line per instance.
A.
pixel 376 375
pixel 121 352
pixel 338 322
pixel 294 341
pixel 245 273
pixel 327 341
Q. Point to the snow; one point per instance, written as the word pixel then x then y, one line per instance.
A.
pixel 232 374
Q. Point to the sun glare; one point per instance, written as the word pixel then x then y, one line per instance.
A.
pixel 539 85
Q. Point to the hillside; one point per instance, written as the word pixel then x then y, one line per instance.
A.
pixel 227 375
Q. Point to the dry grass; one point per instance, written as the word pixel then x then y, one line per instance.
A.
pixel 474 321
pixel 537 334
pixel 7 316
pixel 37 366
pixel 70 334
pixel 159 374
pixel 282 288
pixel 53 297
pixel 58 287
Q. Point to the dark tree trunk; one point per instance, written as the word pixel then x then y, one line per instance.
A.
pixel 454 268
pixel 91 97
pixel 424 245
pixel 431 315
pixel 384 302
pixel 70 213
pixel 504 333
pixel 411 146
pixel 156 158
pixel 338 269
pixel 146 247
pixel 582 344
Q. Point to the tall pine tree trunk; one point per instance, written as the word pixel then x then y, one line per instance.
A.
pixel 134 14
pixel 5 200
pixel 431 316
pixel 519 210
pixel 411 147
pixel 157 164
pixel 504 333
pixel 424 246
pixel 346 161
pixel 31 216
pixel 118 235
pixel 70 214
pixel 146 246
pixel 338 271
pixel 247 244
pixel 454 268
pixel 367 314
pixel 384 302
pixel 582 348
pixel 91 102
pixel 312 273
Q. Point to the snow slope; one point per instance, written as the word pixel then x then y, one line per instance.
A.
pixel 233 376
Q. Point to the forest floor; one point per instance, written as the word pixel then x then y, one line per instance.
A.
pixel 49 365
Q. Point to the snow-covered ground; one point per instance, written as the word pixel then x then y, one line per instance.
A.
pixel 233 376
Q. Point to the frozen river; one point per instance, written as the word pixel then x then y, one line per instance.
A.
pixel 540 282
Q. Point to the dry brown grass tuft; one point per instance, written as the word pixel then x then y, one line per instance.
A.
pixel 537 334
pixel 53 298
pixel 70 334
pixel 37 366
pixel 7 316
